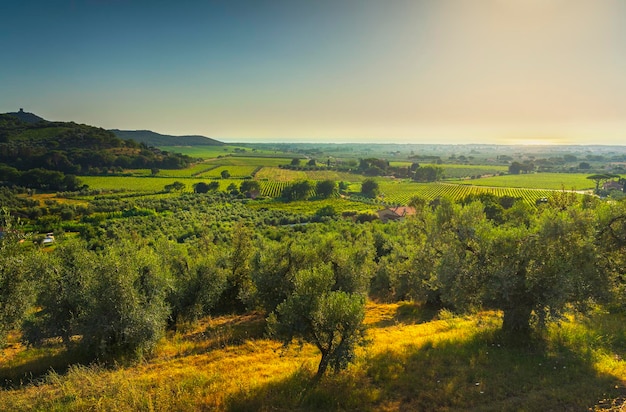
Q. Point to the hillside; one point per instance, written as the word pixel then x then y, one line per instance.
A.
pixel 415 360
pixel 156 139
pixel 27 117
pixel 37 154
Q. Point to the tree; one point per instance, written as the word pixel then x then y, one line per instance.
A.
pixel 68 276
pixel 198 278
pixel 297 191
pixel 515 168
pixel 175 187
pixel 17 283
pixel 325 188
pixel 428 174
pixel 238 290
pixel 250 187
pixel 330 319
pixel 601 178
pixel 225 174
pixel 201 187
pixel 312 162
pixel 127 311
pixel 528 272
pixel 295 161
pixel 369 188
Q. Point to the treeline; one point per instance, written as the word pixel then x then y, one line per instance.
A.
pixel 112 294
pixel 71 148
pixel 38 178
pixel 373 167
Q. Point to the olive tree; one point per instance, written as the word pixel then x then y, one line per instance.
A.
pixel 127 312
pixel 17 284
pixel 529 272
pixel 330 319
pixel 66 278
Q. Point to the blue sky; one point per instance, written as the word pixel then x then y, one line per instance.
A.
pixel 420 71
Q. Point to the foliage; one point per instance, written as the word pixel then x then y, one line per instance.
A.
pixel 369 188
pixel 529 270
pixel 250 187
pixel 198 279
pixel 428 173
pixel 17 275
pixel 71 148
pixel 330 319
pixel 297 191
pixel 325 188
pixel 113 299
pixel 175 187
pixel 127 313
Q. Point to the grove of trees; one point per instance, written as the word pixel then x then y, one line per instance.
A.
pixel 112 293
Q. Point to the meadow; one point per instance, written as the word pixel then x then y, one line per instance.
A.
pixel 417 358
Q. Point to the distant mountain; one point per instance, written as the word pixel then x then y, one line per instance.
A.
pixel 27 117
pixel 155 139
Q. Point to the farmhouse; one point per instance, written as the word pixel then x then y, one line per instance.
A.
pixel 395 213
pixel 613 185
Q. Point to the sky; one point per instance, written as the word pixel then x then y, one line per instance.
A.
pixel 381 71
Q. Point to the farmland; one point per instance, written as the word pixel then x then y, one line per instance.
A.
pixel 204 281
pixel 402 192
pixel 555 181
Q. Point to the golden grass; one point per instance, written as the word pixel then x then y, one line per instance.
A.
pixel 416 359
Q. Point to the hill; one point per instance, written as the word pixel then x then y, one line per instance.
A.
pixel 156 139
pixel 27 117
pixel 38 154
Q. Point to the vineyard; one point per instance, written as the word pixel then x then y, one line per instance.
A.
pixel 272 188
pixel 556 181
pixel 280 175
pixel 333 175
pixel 402 192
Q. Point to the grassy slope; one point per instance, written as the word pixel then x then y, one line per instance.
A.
pixel 415 361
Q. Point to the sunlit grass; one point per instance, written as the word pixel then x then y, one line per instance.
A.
pixel 418 358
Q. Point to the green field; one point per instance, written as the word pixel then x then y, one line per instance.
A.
pixel 146 184
pixel 209 152
pixel 556 181
pixel 250 161
pixel 234 171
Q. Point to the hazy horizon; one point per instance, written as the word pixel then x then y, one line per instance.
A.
pixel 408 71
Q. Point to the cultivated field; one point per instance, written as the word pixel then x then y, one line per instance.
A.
pixel 556 181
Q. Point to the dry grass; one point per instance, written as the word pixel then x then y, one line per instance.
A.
pixel 417 359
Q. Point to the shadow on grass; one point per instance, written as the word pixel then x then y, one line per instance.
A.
pixel 478 373
pixel 226 331
pixel 410 313
pixel 35 363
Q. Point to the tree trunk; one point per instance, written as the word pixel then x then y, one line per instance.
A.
pixel 321 369
pixel 517 321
